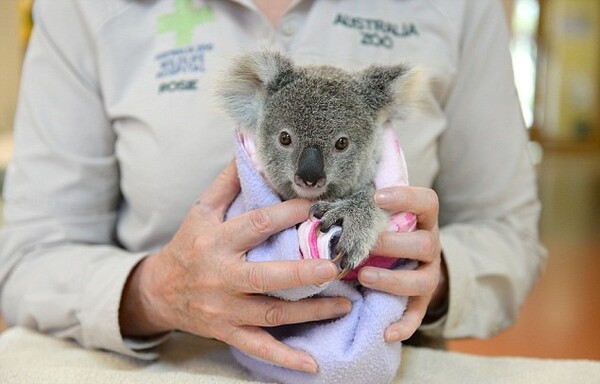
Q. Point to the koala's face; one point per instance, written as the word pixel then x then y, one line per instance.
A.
pixel 317 127
pixel 318 136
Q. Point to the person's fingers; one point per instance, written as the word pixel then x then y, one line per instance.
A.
pixel 271 312
pixel 256 226
pixel 221 193
pixel 419 282
pixel 423 202
pixel 257 342
pixel 419 245
pixel 410 321
pixel 261 277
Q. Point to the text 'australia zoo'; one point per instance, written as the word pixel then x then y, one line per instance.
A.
pixel 376 32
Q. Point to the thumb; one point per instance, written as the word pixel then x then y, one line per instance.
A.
pixel 221 193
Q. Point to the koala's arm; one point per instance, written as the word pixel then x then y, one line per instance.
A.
pixel 361 219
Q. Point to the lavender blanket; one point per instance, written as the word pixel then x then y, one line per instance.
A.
pixel 350 349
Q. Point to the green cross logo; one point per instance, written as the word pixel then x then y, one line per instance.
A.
pixel 183 21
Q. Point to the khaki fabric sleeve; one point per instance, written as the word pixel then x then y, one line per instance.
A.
pixel 61 270
pixel 489 208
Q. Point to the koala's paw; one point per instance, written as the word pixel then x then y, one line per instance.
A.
pixel 358 232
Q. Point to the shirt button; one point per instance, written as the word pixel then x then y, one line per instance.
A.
pixel 288 28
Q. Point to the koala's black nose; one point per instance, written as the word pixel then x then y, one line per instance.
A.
pixel 310 171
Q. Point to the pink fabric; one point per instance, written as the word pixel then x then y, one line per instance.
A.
pixel 312 240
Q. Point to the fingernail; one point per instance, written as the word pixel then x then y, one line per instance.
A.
pixel 326 271
pixel 392 336
pixel 383 197
pixel 368 276
pixel 342 308
pixel 310 366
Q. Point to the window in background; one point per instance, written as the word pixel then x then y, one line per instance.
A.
pixel 26 21
pixel 568 99
pixel 524 23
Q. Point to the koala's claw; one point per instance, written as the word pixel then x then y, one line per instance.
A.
pixel 343 273
pixel 345 267
pixel 318 227
pixel 338 257
pixel 323 227
pixel 317 211
pixel 320 211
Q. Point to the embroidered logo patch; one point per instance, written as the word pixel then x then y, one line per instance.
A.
pixel 376 32
pixel 177 67
pixel 184 20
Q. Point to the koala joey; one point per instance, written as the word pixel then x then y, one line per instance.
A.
pixel 318 132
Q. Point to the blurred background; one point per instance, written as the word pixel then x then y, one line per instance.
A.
pixel 556 55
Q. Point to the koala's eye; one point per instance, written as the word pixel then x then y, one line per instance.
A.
pixel 341 143
pixel 285 139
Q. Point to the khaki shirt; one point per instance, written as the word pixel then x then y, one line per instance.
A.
pixel 116 136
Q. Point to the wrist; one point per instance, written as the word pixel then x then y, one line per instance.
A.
pixel 138 315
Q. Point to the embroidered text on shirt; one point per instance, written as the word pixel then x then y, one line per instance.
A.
pixel 182 60
pixel 176 63
pixel 376 32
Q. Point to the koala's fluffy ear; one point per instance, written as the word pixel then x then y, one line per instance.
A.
pixel 392 90
pixel 243 89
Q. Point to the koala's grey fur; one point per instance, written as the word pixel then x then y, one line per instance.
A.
pixel 266 93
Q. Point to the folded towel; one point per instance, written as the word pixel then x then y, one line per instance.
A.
pixel 350 349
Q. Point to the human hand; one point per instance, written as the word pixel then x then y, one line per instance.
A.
pixel 427 284
pixel 201 282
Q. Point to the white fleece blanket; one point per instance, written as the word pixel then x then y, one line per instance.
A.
pixel 29 357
